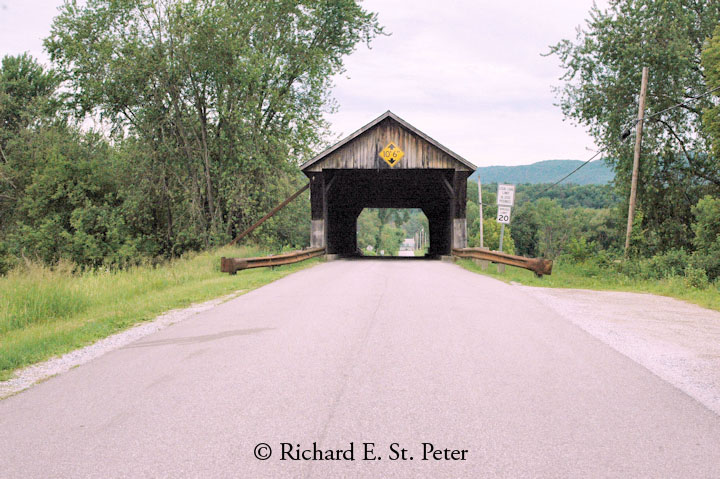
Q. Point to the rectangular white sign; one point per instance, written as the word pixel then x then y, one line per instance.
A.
pixel 503 215
pixel 506 195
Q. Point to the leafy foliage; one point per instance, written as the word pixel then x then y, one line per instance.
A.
pixel 491 237
pixel 570 195
pixel 26 94
pixel 27 98
pixel 206 109
pixel 70 208
pixel 222 99
pixel 549 223
pixel 711 67
pixel 707 236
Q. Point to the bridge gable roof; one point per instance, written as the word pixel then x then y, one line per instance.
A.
pixel 361 149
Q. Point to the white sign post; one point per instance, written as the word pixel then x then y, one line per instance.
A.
pixel 505 200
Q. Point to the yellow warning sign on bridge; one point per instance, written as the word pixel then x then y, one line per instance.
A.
pixel 392 154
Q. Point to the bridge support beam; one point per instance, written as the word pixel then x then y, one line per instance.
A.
pixel 317 233
pixel 440 229
pixel 459 199
pixel 460 239
pixel 317 211
pixel 342 231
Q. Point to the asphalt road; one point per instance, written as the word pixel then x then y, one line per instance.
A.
pixel 406 352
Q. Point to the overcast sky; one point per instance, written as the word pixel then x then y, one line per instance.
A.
pixel 466 72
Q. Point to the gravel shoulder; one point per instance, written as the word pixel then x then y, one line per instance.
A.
pixel 677 341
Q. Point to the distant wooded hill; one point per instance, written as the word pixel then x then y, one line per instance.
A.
pixel 594 173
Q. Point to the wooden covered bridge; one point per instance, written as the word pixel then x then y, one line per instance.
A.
pixel 388 163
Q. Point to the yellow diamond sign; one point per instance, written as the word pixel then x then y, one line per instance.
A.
pixel 392 154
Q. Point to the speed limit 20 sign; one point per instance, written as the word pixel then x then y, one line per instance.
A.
pixel 503 215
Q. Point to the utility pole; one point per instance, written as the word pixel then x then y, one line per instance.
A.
pixel 480 205
pixel 636 157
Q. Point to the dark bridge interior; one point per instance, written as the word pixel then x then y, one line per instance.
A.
pixel 348 192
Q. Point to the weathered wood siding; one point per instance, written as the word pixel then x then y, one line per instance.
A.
pixel 363 151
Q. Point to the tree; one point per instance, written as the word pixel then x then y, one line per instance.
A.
pixel 707 235
pixel 26 95
pixel 368 226
pixel 491 237
pixel 542 228
pixel 27 99
pixel 711 65
pixel 28 106
pixel 414 220
pixel 602 77
pixel 384 215
pixel 569 195
pixel 71 209
pixel 525 231
pixel 221 98
pixel 391 237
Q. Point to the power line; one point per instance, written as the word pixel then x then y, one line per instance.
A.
pixel 569 174
pixel 682 103
pixel 628 131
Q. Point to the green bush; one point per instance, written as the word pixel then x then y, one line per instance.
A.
pixel 668 265
pixel 708 262
pixel 707 236
pixel 672 263
pixel 630 268
pixel 707 224
pixel 491 237
pixel 696 277
pixel 579 249
pixel 6 261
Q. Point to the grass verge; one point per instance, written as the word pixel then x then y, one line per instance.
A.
pixel 47 312
pixel 579 276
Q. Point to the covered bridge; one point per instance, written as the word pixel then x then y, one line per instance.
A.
pixel 388 163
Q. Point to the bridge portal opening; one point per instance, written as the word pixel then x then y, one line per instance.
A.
pixel 387 164
pixel 392 232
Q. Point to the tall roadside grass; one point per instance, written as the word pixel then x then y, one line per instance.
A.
pixel 45 312
pixel 590 275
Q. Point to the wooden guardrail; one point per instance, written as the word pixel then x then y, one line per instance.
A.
pixel 233 265
pixel 539 266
